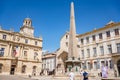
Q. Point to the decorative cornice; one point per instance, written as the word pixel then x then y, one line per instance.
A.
pixel 12 42
pixel 24 60
pixel 100 29
pixel 19 34
pixel 26 27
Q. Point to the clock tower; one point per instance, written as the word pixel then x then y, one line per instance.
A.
pixel 27 28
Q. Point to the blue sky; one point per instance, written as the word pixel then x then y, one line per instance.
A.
pixel 51 18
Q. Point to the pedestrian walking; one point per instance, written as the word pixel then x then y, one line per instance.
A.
pixel 115 73
pixel 104 72
pixel 71 75
pixel 85 75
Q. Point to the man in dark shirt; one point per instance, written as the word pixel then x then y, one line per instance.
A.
pixel 85 75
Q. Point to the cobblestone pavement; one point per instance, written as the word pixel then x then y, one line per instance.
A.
pixel 14 77
pixel 61 78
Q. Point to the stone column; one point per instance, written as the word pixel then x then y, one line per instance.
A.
pixel 10 50
pixel 21 51
pixel 115 68
pixel 18 67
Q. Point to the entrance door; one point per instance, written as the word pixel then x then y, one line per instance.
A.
pixel 118 66
pixel 12 71
pixel 34 71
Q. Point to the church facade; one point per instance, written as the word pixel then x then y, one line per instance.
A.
pixel 95 49
pixel 20 52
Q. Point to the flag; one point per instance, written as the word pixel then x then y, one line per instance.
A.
pixel 14 52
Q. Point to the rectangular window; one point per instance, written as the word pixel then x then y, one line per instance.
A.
pixel 116 32
pixel 106 62
pixel 83 65
pixel 26 40
pixel 2 52
pixel 93 37
pixel 108 33
pixel 89 66
pixel 98 64
pixel 88 52
pixel 81 41
pixel 25 54
pixel 102 63
pixel 87 39
pixel 35 55
pixel 66 44
pixel 111 64
pixel 94 52
pixel 100 36
pixel 4 37
pixel 82 54
pixel 101 50
pixel 66 36
pixel 95 65
pixel 109 49
pixel 36 43
pixel 118 47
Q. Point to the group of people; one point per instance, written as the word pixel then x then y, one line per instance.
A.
pixel 72 75
pixel 103 73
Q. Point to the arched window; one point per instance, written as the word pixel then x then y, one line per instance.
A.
pixel 118 66
pixel 34 70
pixel 23 68
pixel 35 55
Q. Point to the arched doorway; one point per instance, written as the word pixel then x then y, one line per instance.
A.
pixel 118 66
pixel 12 71
pixel 23 69
pixel 34 71
pixel 1 65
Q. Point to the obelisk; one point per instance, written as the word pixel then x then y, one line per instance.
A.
pixel 72 50
pixel 73 61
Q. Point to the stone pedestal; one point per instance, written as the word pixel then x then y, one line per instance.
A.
pixel 73 65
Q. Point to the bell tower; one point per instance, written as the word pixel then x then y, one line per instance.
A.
pixel 27 22
pixel 27 28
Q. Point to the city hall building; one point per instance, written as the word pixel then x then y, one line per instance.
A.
pixel 20 52
pixel 94 49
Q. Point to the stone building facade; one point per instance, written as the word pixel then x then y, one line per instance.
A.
pixel 96 48
pixel 48 63
pixel 20 52
pixel 99 47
